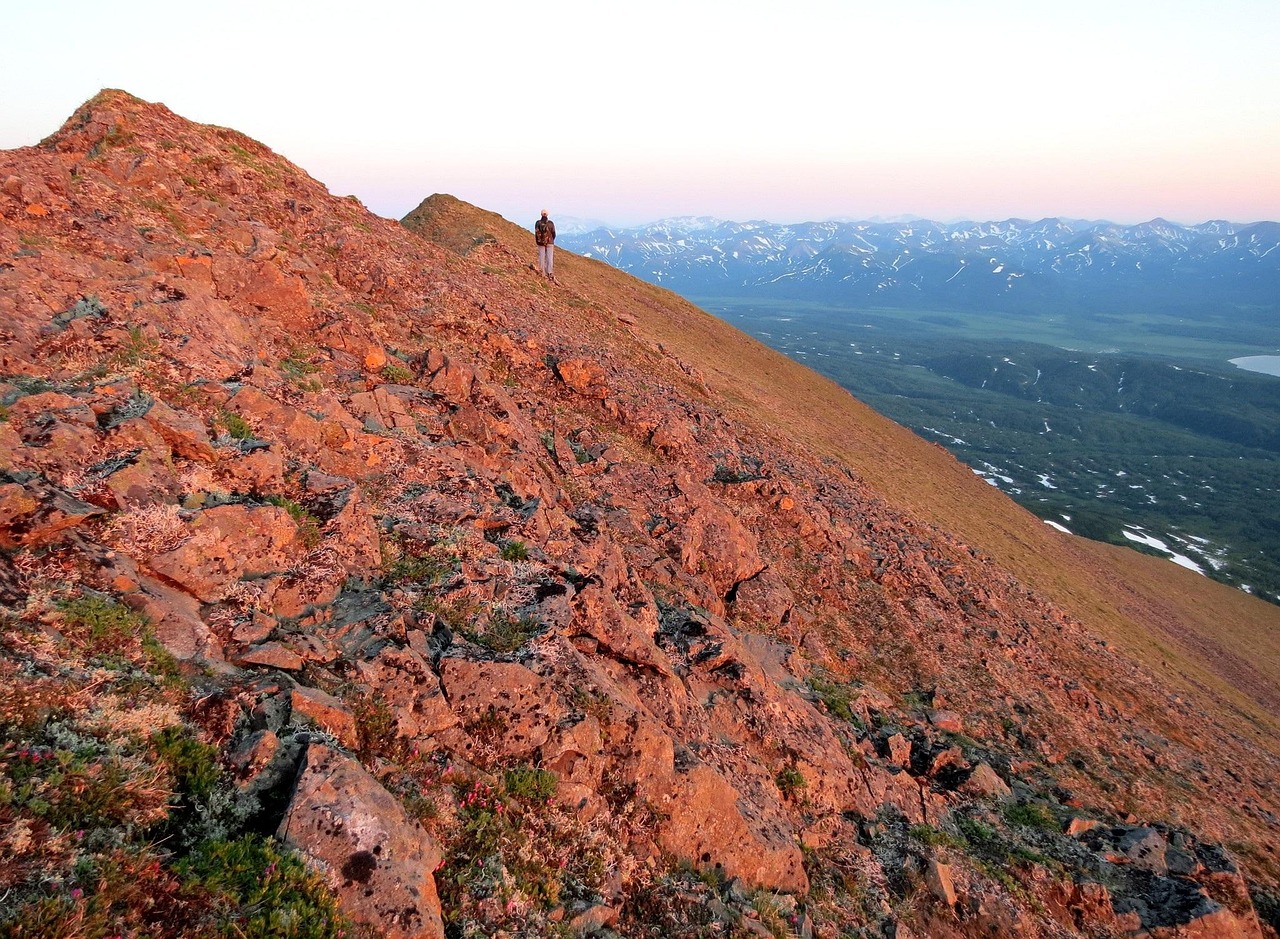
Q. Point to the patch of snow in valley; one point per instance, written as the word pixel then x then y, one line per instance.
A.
pixel 1062 528
pixel 992 473
pixel 1046 481
pixel 945 436
pixel 1180 559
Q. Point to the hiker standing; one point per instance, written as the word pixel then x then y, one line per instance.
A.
pixel 544 233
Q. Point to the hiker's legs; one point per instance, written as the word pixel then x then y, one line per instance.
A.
pixel 544 260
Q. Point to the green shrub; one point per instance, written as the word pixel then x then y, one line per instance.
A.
pixel 1030 815
pixel 455 614
pixel 106 623
pixel 424 569
pixel 928 835
pixel 194 764
pixel 160 661
pixel 237 427
pixel 297 365
pixel 375 728
pixel 504 632
pixel 396 374
pixel 514 551
pixel 259 888
pixel 836 697
pixel 137 348
pixel 790 781
pixel 529 784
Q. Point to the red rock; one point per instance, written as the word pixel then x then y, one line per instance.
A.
pixel 984 782
pixel 406 683
pixel 593 919
pixel 1078 826
pixel 175 620
pixel 185 434
pixel 254 753
pixel 947 720
pixel 367 849
pixel 899 750
pixel 326 712
pixel 941 884
pixel 260 472
pixel 37 514
pixel 271 655
pixel 584 376
pixel 227 544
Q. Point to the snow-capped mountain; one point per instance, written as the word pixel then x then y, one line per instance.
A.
pixel 1007 264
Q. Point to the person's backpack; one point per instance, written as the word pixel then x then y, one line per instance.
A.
pixel 542 231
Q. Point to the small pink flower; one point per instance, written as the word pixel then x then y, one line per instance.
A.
pixel 76 893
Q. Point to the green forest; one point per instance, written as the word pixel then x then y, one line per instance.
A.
pixel 1144 428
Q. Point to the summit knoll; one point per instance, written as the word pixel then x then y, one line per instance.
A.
pixel 356 577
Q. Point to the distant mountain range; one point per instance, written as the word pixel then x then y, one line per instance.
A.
pixel 1049 265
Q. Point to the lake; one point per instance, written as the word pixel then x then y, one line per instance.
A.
pixel 1266 364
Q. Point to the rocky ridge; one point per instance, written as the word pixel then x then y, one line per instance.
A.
pixel 478 597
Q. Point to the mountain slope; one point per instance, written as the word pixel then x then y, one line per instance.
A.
pixel 1229 640
pixel 525 608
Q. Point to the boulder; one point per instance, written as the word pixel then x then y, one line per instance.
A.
pixel 37 513
pixel 227 544
pixel 377 859
pixel 326 712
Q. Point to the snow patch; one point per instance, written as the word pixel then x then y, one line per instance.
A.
pixel 1180 559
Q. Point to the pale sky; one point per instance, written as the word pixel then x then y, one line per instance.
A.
pixel 630 112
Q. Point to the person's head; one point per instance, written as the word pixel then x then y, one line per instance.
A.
pixel 544 213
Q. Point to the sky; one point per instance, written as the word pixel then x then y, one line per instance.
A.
pixel 628 112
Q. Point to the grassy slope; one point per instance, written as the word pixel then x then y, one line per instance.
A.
pixel 1197 634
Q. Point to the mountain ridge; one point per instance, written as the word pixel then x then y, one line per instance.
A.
pixel 557 580
pixel 1052 263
